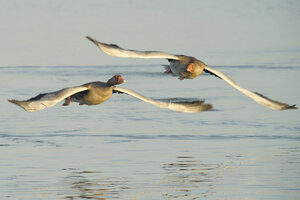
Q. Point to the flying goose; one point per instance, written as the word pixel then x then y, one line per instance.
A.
pixel 97 92
pixel 187 67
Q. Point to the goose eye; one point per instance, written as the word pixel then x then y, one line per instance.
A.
pixel 189 68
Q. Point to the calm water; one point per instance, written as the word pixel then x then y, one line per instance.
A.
pixel 126 149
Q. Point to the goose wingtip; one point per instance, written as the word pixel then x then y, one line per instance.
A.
pixel 91 39
pixel 292 107
pixel 12 101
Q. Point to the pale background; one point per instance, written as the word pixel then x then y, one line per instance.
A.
pixel 233 32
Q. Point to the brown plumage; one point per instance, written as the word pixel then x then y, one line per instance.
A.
pixel 97 92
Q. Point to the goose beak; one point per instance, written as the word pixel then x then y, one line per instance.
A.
pixel 121 80
pixel 189 68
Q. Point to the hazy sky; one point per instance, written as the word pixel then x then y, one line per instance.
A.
pixel 218 32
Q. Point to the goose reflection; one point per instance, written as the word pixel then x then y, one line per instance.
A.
pixel 92 185
pixel 188 178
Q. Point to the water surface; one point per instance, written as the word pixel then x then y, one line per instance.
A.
pixel 127 149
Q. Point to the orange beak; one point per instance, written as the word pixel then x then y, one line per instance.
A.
pixel 121 80
pixel 189 68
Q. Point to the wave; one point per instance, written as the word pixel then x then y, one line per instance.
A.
pixel 155 136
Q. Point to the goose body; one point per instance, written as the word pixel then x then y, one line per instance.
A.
pixel 183 69
pixel 97 92
pixel 187 67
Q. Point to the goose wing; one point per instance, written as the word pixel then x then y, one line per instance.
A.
pixel 187 107
pixel 45 100
pixel 259 98
pixel 115 50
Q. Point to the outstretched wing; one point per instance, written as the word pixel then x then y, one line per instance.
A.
pixel 42 101
pixel 259 98
pixel 115 50
pixel 187 107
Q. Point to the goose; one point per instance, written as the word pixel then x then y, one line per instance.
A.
pixel 188 67
pixel 97 92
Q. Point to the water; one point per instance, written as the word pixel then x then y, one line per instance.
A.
pixel 127 149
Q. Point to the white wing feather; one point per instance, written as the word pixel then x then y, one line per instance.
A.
pixel 259 98
pixel 48 99
pixel 192 107
pixel 114 50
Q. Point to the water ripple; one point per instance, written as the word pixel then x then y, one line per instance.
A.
pixel 156 137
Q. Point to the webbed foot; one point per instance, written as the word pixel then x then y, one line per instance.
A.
pixel 67 101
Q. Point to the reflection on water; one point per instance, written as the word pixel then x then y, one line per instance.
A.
pixel 185 178
pixel 189 178
pixel 93 185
